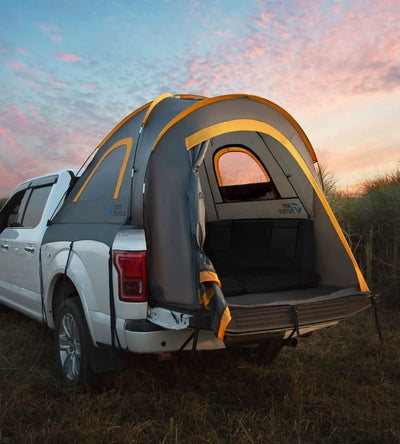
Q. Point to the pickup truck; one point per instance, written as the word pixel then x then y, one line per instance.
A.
pixel 188 230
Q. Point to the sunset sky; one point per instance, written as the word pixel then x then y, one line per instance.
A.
pixel 71 70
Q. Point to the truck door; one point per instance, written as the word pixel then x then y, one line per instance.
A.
pixel 9 216
pixel 24 250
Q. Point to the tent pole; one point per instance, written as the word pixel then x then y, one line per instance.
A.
pixel 377 324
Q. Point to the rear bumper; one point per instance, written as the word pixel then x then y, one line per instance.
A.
pixel 145 337
pixel 293 310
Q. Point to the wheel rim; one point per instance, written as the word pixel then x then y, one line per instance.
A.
pixel 69 347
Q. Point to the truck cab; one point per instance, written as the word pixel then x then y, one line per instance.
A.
pixel 23 222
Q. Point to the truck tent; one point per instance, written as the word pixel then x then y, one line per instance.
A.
pixel 163 169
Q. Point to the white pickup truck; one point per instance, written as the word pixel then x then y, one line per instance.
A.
pixel 199 224
pixel 67 287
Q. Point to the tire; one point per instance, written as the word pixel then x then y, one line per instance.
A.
pixel 72 344
pixel 4 308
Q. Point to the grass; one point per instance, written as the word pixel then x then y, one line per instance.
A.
pixel 371 222
pixel 340 385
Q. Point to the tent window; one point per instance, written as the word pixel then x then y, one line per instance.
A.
pixel 106 177
pixel 241 176
pixel 104 180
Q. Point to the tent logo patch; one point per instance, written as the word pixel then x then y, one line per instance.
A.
pixel 297 207
pixel 290 209
pixel 116 211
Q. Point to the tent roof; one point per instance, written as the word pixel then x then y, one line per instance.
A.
pixel 209 101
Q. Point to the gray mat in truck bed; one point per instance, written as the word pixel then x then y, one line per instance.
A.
pixel 291 297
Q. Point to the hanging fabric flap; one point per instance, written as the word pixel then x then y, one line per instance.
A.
pixel 210 293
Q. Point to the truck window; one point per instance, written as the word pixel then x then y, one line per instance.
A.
pixel 241 175
pixel 25 208
pixel 11 212
pixel 34 209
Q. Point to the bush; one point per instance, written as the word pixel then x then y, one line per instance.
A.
pixel 371 222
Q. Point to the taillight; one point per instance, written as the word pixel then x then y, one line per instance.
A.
pixel 132 278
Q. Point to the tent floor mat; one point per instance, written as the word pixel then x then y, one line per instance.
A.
pixel 289 309
pixel 291 297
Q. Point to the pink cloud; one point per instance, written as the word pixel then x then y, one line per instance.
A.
pixel 56 38
pixel 22 71
pixel 7 138
pixel 358 159
pixel 50 30
pixel 224 33
pixel 47 27
pixel 18 66
pixel 355 166
pixel 23 51
pixel 15 119
pixel 34 112
pixel 8 180
pixel 92 85
pixel 66 57
pixel 265 18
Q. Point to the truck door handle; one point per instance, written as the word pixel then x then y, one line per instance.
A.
pixel 29 249
pixel 4 246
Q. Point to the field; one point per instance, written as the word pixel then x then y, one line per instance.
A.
pixel 339 385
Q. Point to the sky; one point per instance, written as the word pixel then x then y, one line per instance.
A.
pixel 71 70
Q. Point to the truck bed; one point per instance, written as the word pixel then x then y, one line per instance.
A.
pixel 269 275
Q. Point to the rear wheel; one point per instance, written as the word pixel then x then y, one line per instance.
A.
pixel 3 308
pixel 72 343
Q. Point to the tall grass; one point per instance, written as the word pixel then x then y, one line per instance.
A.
pixel 371 221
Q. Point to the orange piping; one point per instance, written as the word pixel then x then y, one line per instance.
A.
pixel 121 123
pixel 154 103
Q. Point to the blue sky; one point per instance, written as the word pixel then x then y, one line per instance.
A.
pixel 71 70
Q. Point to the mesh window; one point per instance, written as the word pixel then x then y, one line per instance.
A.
pixel 242 176
pixel 104 180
